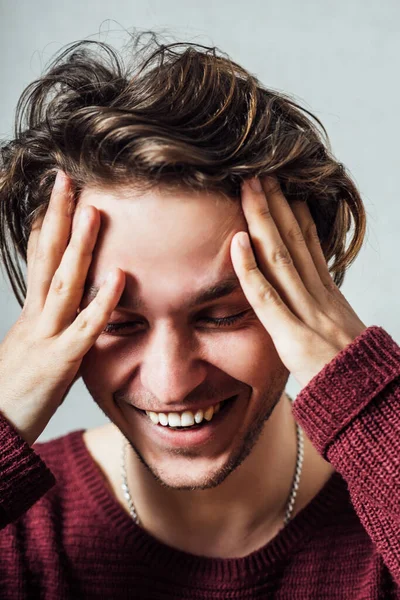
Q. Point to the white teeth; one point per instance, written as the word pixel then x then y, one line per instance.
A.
pixel 187 419
pixel 208 415
pixel 174 420
pixel 163 419
pixel 198 417
pixel 184 419
pixel 154 417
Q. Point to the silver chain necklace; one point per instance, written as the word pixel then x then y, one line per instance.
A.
pixel 292 495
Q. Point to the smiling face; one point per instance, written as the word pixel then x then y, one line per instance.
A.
pixel 169 353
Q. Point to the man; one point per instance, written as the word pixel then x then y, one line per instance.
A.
pixel 225 489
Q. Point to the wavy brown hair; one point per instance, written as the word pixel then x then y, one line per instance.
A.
pixel 179 115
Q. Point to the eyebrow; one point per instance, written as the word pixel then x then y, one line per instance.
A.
pixel 217 290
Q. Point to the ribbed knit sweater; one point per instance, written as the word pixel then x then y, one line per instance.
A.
pixel 63 534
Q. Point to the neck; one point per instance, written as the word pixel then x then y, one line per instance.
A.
pixel 253 498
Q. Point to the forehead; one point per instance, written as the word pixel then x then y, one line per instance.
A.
pixel 173 242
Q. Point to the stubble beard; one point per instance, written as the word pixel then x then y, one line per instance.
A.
pixel 242 452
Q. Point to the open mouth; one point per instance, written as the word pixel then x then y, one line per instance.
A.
pixel 206 419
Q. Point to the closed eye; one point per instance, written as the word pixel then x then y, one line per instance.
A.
pixel 217 321
pixel 224 321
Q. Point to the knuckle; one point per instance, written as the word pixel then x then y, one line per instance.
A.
pixel 296 234
pixel 263 211
pixel 82 323
pixel 281 256
pixel 311 233
pixel 268 294
pixel 90 323
pixel 330 286
pixel 252 268
pixel 58 285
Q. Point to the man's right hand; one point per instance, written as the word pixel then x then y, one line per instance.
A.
pixel 41 355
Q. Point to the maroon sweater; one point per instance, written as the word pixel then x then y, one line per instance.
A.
pixel 63 535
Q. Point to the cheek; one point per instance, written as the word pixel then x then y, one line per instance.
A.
pixel 106 367
pixel 247 355
pixel 250 356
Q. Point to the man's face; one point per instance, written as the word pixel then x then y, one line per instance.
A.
pixel 170 356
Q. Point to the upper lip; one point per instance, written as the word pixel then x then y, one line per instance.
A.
pixel 179 409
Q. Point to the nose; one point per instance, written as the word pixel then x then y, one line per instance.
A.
pixel 171 367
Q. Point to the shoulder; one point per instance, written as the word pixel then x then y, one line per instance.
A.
pixel 80 456
pixel 93 441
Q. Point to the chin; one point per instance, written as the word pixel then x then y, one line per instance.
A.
pixel 183 472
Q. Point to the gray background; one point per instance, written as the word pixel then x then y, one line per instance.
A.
pixel 338 58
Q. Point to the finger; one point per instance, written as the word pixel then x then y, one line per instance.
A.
pixel 31 248
pixel 51 244
pixel 292 236
pixel 80 336
pixel 273 258
pixel 269 307
pixel 68 283
pixel 310 234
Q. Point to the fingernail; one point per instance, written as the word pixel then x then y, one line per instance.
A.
pixel 111 277
pixel 255 184
pixel 59 180
pixel 84 215
pixel 270 182
pixel 244 241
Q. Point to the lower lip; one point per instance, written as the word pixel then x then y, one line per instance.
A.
pixel 191 437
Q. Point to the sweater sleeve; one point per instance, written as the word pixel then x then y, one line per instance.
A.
pixel 350 411
pixel 24 477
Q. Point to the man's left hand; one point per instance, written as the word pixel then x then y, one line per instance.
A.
pixel 287 282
